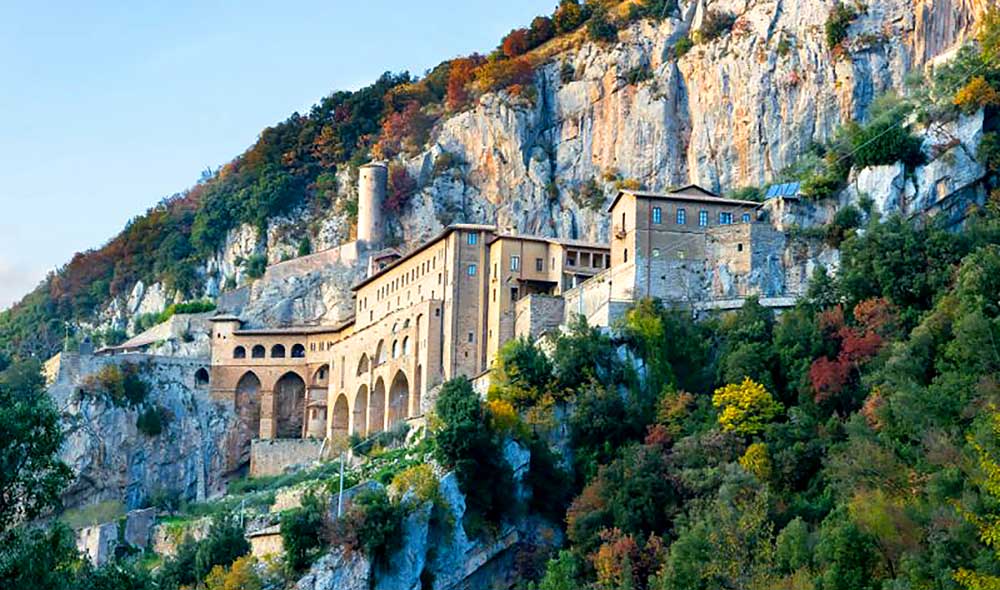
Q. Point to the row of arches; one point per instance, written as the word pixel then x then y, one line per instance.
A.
pixel 287 413
pixel 376 409
pixel 277 351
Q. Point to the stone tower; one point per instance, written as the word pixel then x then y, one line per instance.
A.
pixel 372 180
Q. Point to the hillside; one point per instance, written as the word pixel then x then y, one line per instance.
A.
pixel 537 135
pixel 845 438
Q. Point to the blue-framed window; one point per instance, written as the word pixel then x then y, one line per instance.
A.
pixel 703 218
pixel 681 216
pixel 657 215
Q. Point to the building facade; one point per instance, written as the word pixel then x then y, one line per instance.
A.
pixel 447 307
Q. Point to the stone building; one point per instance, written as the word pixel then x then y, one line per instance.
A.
pixel 445 308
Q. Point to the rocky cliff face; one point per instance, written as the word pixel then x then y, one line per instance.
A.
pixel 113 460
pixel 732 112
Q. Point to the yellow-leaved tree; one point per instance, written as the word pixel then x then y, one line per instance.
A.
pixel 746 407
pixel 989 526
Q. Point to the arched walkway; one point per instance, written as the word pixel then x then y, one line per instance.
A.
pixel 361 411
pixel 248 403
pixel 289 405
pixel 201 377
pixel 399 397
pixel 376 408
pixel 341 416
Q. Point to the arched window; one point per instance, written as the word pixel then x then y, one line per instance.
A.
pixel 278 351
pixel 406 324
pixel 239 353
pixel 380 353
pixel 298 351
pixel 395 348
pixel 363 365
pixel 406 346
pixel 257 352
pixel 201 377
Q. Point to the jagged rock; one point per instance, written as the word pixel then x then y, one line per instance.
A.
pixel 337 571
pixel 885 185
pixel 519 458
pixel 113 460
pixel 407 563
pixel 954 170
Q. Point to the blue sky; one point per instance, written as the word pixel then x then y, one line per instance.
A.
pixel 105 108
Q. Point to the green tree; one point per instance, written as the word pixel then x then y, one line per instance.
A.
pixel 465 443
pixel 301 530
pixel 522 374
pixel 31 475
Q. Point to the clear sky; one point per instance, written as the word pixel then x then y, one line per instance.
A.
pixel 107 107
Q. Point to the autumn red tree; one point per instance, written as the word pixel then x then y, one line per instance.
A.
pixel 460 75
pixel 516 43
pixel 401 188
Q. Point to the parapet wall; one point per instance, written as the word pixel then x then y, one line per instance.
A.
pixel 274 456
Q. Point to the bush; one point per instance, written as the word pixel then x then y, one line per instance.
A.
pixel 499 74
pixel 715 24
pixel 601 28
pixel 301 530
pixel 374 525
pixel 746 407
pixel 840 18
pixel 419 479
pixel 521 374
pixel 401 188
pixel 590 195
pixel 305 246
pixel 653 9
pixel 152 420
pixel 122 385
pixel 568 16
pixel 637 75
pixel 683 45
pixel 884 141
pixel 465 443
pixel 988 151
pixel 255 266
pixel 844 222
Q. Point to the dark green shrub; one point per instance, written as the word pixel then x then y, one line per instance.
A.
pixel 305 246
pixel 653 9
pixel 844 222
pixel 569 16
pixel 884 141
pixel 683 45
pixel 590 195
pixel 639 74
pixel 988 151
pixel 840 18
pixel 372 525
pixel 255 266
pixel 301 533
pixel 225 542
pixel 715 24
pixel 521 374
pixel 152 420
pixel 600 27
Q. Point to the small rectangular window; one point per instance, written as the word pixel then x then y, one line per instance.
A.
pixel 513 294
pixel 471 270
pixel 703 218
pixel 681 217
pixel 472 336
pixel 746 218
pixel 515 262
pixel 473 239
pixel 657 215
pixel 571 260
pixel 539 264
pixel 725 218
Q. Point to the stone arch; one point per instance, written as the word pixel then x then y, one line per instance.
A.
pixel 361 411
pixel 248 404
pixel 380 353
pixel 321 376
pixel 362 364
pixel 289 405
pixel 298 351
pixel 340 423
pixel 278 351
pixel 399 399
pixel 239 352
pixel 406 345
pixel 201 377
pixel 395 349
pixel 376 408
pixel 258 351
